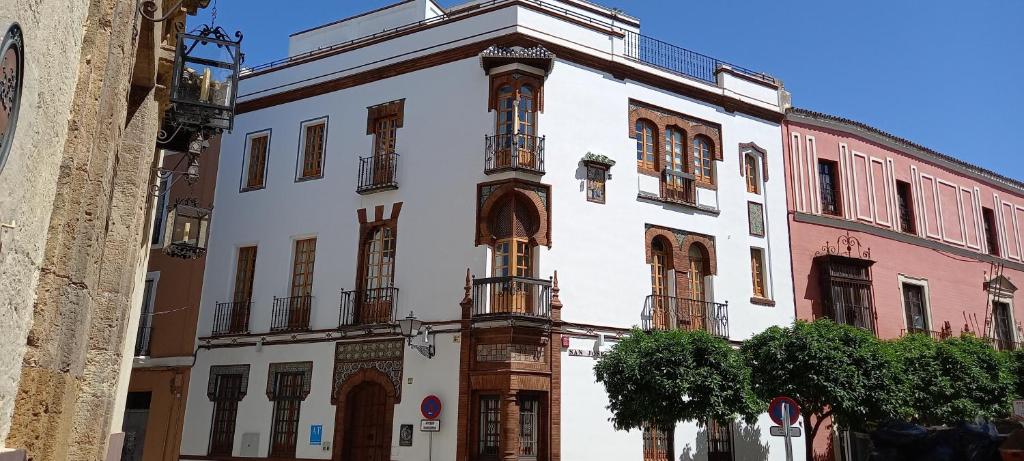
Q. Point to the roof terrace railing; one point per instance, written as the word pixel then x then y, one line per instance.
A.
pixel 639 47
pixel 679 60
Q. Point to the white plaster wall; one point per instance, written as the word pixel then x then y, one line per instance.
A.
pixel 421 377
pixel 598 250
pixel 389 18
pixel 53 45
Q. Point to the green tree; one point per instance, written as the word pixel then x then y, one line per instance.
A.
pixel 954 380
pixel 665 377
pixel 1015 362
pixel 831 370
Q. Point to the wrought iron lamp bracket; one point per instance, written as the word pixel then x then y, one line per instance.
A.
pixel 426 348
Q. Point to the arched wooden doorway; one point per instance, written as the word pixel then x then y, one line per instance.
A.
pixel 364 418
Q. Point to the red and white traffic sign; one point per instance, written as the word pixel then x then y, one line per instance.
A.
pixel 775 410
pixel 431 407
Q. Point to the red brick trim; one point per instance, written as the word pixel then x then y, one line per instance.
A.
pixel 708 245
pixel 523 190
pixel 394 108
pixel 748 147
pixel 366 227
pixel 762 301
pixel 516 78
pixel 663 119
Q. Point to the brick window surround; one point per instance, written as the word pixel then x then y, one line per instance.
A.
pixel 690 127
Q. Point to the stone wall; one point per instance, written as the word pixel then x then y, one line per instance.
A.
pixel 79 182
pixel 53 44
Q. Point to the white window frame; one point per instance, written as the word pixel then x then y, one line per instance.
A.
pixel 302 149
pixel 242 186
pixel 769 293
pixel 1004 297
pixel 923 283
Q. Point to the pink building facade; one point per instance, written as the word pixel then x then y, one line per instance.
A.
pixel 893 237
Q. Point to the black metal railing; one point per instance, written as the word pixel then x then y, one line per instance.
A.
pixel 142 339
pixel 920 331
pixel 378 172
pixel 678 187
pixel 291 313
pixel 857 315
pixel 523 296
pixel 680 60
pixel 231 318
pixel 1004 344
pixel 504 152
pixel 372 306
pixel 663 312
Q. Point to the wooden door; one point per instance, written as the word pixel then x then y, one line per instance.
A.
pixel 385 131
pixel 239 319
pixel 377 290
pixel 660 301
pixel 367 433
pixel 695 314
pixel 512 258
pixel 302 284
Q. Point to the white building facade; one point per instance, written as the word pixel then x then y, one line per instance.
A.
pixel 531 179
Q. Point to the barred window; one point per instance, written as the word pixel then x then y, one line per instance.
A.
pixel 489 427
pixel 287 396
pixel 227 393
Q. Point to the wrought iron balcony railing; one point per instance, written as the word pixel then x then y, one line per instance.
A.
pixel 372 306
pixel 662 312
pixel 678 187
pixel 519 296
pixel 378 172
pixel 920 331
pixel 291 313
pixel 142 339
pixel 504 152
pixel 682 61
pixel 231 318
pixel 856 315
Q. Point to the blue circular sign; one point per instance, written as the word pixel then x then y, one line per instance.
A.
pixel 775 410
pixel 431 407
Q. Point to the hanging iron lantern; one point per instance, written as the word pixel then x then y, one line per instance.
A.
pixel 205 81
pixel 186 231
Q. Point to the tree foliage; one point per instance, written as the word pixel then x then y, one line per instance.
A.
pixel 953 380
pixel 666 377
pixel 829 369
pixel 1015 363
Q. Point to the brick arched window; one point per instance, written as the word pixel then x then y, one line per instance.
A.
pixel 699 269
pixel 646 133
pixel 512 224
pixel 703 159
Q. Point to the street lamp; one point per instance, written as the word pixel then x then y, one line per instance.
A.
pixel 205 84
pixel 411 327
pixel 186 231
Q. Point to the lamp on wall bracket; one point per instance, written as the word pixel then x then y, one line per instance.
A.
pixel 418 336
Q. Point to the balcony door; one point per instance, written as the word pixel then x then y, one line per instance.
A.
pixel 516 126
pixel 697 314
pixel 660 298
pixel 385 133
pixel 239 319
pixel 376 294
pixel 513 257
pixel 302 284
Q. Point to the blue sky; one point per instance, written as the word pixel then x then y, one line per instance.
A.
pixel 946 74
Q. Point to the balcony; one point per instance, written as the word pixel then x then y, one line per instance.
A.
pixel 514 152
pixel 291 314
pixel 937 335
pixel 662 312
pixel 231 318
pixel 374 306
pixel 378 172
pixel 142 339
pixel 512 296
pixel 682 61
pixel 678 187
pixel 852 314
